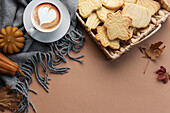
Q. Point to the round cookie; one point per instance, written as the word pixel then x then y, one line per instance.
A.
pixel 130 1
pixel 113 4
pixel 102 13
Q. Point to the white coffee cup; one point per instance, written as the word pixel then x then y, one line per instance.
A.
pixel 44 16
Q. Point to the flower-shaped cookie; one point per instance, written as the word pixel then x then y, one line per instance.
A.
pixel 102 37
pixel 118 26
pixel 11 40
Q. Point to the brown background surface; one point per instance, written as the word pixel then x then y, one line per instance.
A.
pixel 100 86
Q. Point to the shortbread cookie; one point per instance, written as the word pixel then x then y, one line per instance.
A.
pixel 118 26
pixel 102 37
pixel 130 1
pixel 102 13
pixel 82 1
pixel 112 4
pixel 131 29
pixel 93 21
pixel 88 6
pixel 139 14
pixel 102 1
pixel 152 6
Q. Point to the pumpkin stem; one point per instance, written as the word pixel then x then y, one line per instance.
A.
pixel 20 71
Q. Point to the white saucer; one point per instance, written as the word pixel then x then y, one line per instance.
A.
pixel 47 37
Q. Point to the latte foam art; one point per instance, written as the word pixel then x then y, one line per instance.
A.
pixel 46 15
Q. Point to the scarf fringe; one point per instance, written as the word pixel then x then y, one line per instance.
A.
pixel 22 88
pixel 72 41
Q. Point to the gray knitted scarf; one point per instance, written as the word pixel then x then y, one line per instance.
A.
pixel 47 55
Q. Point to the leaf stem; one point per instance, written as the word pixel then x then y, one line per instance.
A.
pixel 146 66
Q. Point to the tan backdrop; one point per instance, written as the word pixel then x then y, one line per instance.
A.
pixel 100 86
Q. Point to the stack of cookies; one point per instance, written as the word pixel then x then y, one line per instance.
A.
pixel 116 20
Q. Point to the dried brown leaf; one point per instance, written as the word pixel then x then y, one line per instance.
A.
pixel 9 99
pixel 154 51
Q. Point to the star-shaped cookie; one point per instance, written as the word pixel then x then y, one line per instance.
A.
pixel 117 26
pixel 102 37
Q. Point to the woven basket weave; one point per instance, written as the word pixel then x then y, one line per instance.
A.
pixel 139 34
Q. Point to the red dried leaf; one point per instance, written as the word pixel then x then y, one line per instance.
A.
pixel 165 80
pixel 163 69
pixel 9 99
pixel 163 75
pixel 159 72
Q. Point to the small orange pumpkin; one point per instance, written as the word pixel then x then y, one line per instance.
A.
pixel 11 40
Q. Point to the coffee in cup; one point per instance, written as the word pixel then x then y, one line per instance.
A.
pixel 46 17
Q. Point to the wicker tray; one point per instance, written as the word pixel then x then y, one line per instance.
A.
pixel 139 34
